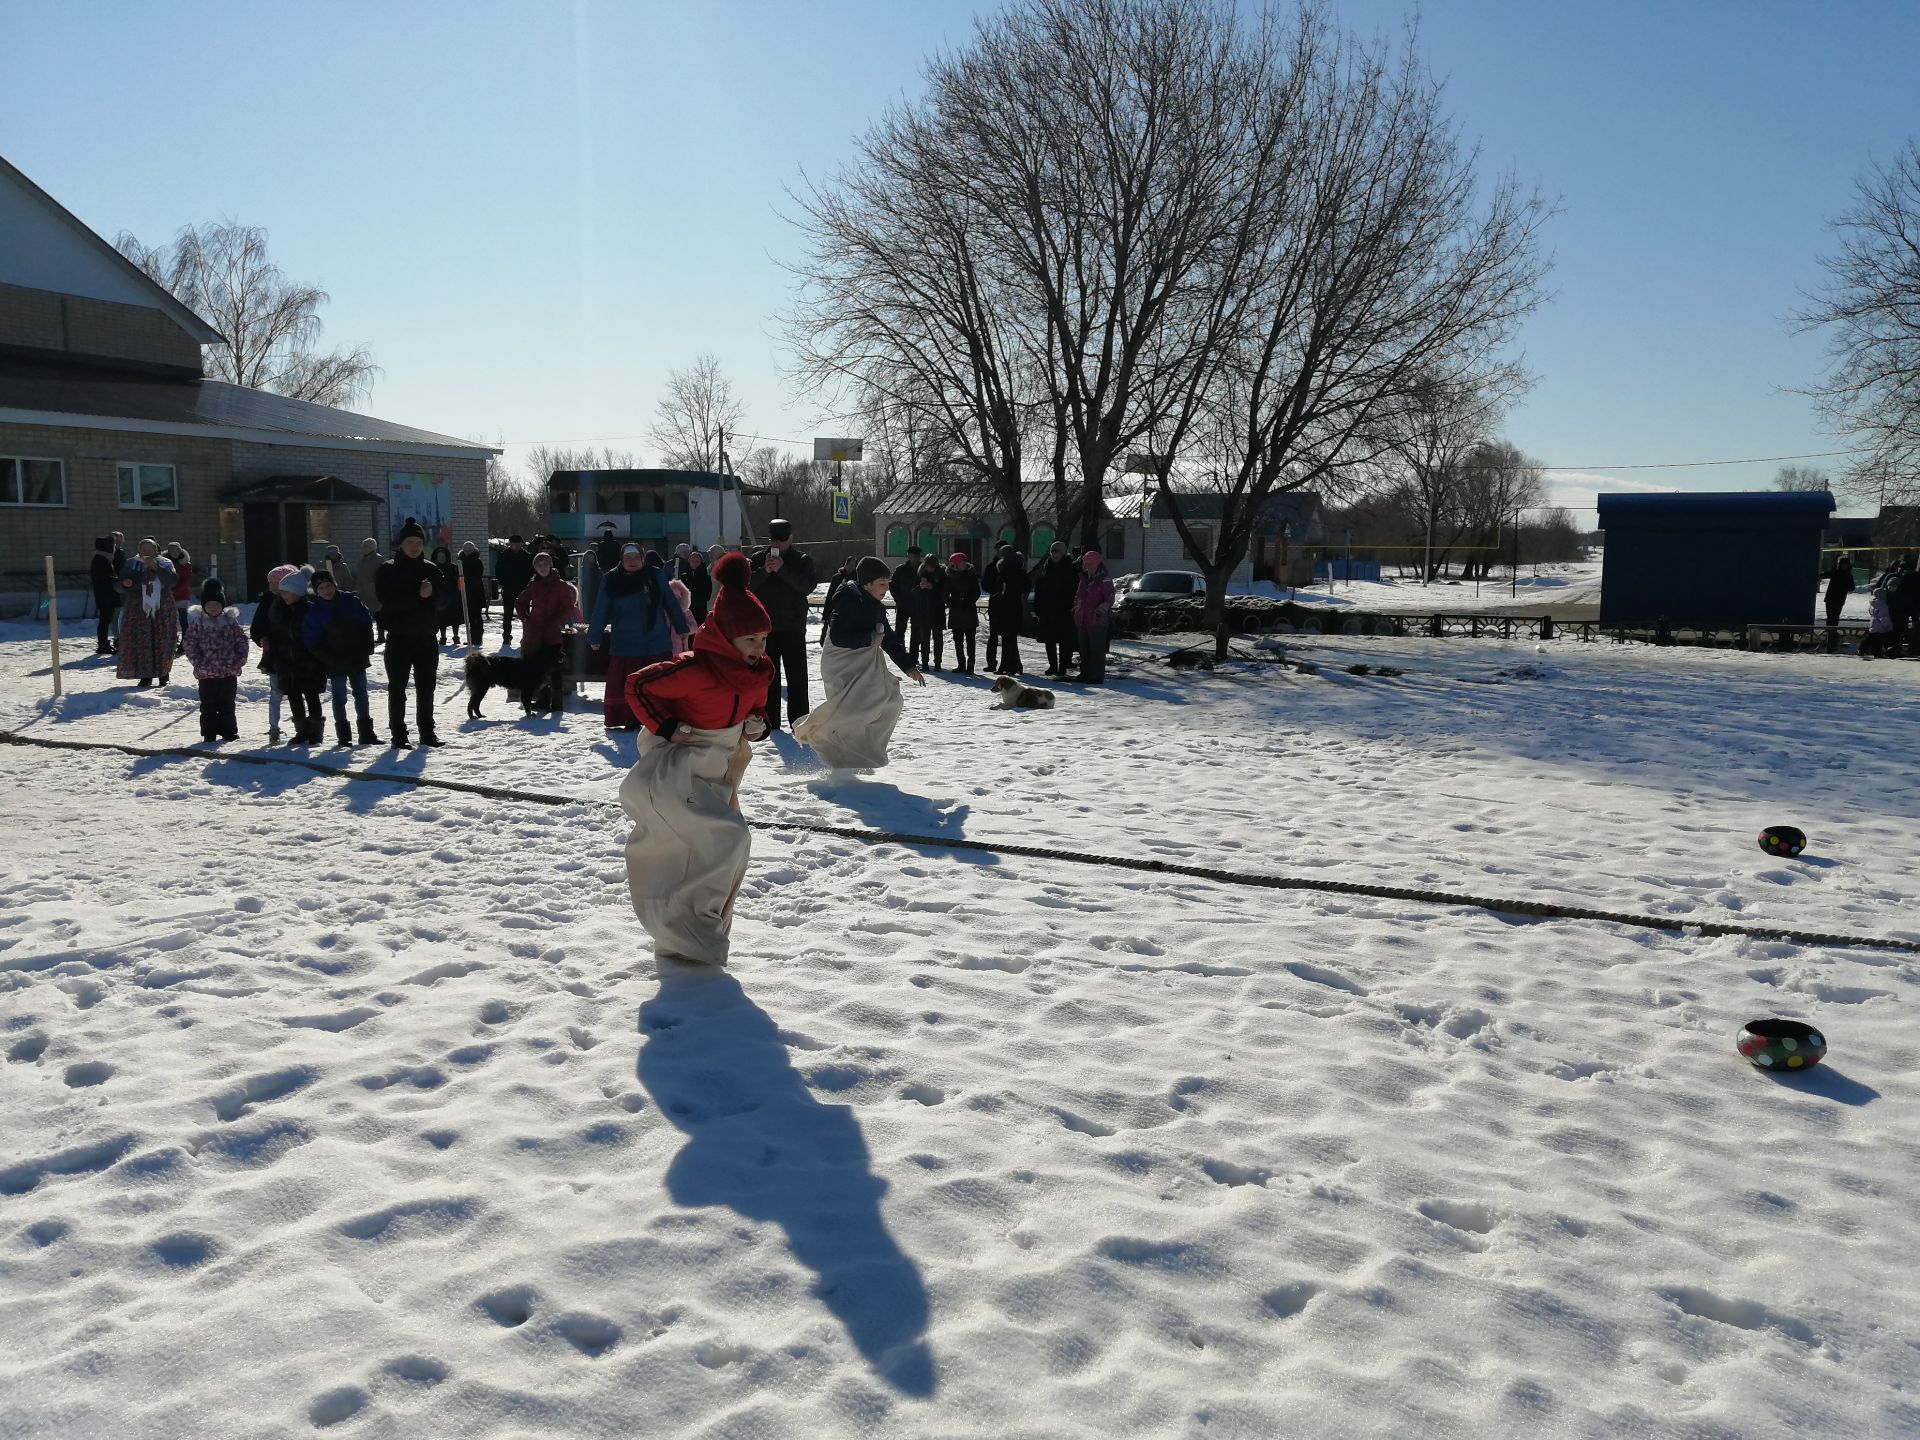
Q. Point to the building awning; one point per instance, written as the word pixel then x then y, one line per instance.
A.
pixel 310 489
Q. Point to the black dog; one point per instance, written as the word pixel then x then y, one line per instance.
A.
pixel 541 680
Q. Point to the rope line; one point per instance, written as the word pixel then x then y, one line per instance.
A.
pixel 1542 909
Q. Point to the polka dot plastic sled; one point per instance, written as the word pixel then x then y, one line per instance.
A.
pixel 1787 840
pixel 1781 1045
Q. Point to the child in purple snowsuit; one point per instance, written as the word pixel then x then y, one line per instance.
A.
pixel 217 648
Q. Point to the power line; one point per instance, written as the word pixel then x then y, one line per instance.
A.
pixel 642 435
pixel 1696 464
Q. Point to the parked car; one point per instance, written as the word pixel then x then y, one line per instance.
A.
pixel 1158 586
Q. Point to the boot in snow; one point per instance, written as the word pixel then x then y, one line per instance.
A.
pixel 367 737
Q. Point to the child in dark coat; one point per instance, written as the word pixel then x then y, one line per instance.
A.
pixel 338 631
pixel 217 649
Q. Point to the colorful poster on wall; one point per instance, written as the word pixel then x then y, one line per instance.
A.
pixel 425 498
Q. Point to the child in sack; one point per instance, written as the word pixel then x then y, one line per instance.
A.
pixel 688 851
pixel 217 649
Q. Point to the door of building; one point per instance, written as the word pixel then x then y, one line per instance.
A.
pixel 276 534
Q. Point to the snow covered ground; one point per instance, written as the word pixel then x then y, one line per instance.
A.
pixel 1552 585
pixel 363 1109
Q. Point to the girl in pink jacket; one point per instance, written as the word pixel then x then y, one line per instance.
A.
pixel 217 648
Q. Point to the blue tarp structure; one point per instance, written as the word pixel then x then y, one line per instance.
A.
pixel 1722 559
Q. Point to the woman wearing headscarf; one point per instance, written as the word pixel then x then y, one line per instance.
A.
pixel 636 605
pixel 182 589
pixel 1092 614
pixel 148 627
pixel 474 574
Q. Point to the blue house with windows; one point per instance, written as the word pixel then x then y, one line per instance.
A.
pixel 1722 559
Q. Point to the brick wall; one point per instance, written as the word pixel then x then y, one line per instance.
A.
pixel 202 469
pixel 80 325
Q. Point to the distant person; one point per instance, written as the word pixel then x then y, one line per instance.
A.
pixel 182 589
pixel 217 649
pixel 607 550
pixel 473 575
pixel 699 582
pixel 1055 584
pixel 1839 587
pixel 930 615
pixel 104 577
pixel 261 631
pixel 447 618
pixel 410 588
pixel 146 648
pixel 298 668
pixel 366 581
pixel 783 581
pixel 1903 608
pixel 901 585
pixel 1006 585
pixel 635 617
pixel 1879 622
pixel 513 572
pixel 1092 614
pixel 962 605
pixel 544 607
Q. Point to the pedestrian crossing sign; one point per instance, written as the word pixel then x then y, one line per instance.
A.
pixel 842 508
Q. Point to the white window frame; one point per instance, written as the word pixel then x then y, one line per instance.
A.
pixel 121 465
pixel 36 504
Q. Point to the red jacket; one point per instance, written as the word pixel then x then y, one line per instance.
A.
pixel 182 583
pixel 709 688
pixel 544 608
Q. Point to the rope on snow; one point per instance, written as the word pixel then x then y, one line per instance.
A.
pixel 1542 909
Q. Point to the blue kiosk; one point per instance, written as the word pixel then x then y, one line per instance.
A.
pixel 1719 560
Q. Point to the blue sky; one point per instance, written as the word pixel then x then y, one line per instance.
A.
pixel 531 212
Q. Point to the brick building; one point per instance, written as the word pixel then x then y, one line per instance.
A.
pixel 107 422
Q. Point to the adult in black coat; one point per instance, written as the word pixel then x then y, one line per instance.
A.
pixel 930 613
pixel 1839 587
pixel 513 572
pixel 783 580
pixel 473 572
pixel 900 589
pixel 413 593
pixel 104 579
pixel 448 620
pixel 1006 609
pixel 1055 583
pixel 963 610
pixel 699 582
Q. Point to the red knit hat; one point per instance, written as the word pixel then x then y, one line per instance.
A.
pixel 738 610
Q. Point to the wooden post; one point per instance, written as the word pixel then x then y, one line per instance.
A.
pixel 53 626
pixel 465 620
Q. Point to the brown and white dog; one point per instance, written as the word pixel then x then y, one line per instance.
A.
pixel 1015 696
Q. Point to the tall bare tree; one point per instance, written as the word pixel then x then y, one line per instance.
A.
pixel 516 504
pixel 693 417
pixel 1870 309
pixel 271 325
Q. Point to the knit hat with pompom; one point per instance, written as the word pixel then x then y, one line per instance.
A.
pixel 737 611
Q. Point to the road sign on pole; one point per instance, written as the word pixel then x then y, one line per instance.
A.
pixel 842 508
pixel 836 450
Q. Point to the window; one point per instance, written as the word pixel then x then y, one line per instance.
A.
pixel 1043 537
pixel 1008 534
pixel 148 487
pixel 897 541
pixel 676 501
pixel 1116 544
pixel 26 481
pixel 926 540
pixel 629 501
pixel 230 522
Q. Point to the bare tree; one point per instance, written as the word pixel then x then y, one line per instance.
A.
pixel 1800 479
pixel 516 503
pixel 270 324
pixel 1498 485
pixel 693 417
pixel 1443 418
pixel 1870 309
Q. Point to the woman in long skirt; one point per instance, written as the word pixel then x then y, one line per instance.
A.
pixel 147 623
pixel 851 729
pixel 688 851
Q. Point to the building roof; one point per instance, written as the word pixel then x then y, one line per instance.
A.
pixel 35 392
pixel 1775 506
pixel 309 488
pixel 1296 507
pixel 965 498
pixel 162 298
pixel 642 479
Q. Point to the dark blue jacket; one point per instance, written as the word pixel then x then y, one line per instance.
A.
pixel 643 619
pixel 338 633
pixel 856 616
